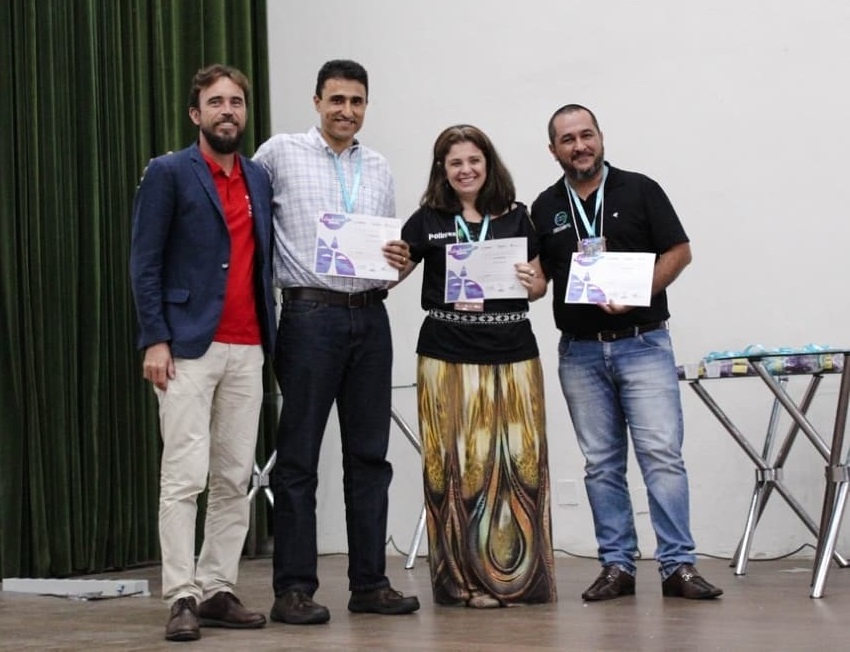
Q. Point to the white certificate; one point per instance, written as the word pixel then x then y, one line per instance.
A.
pixel 485 270
pixel 622 277
pixel 350 245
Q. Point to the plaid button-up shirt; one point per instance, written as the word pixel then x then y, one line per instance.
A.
pixel 304 179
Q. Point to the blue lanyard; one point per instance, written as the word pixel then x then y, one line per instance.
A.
pixel 590 227
pixel 349 197
pixel 460 223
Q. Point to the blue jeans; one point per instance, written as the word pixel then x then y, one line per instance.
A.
pixel 612 388
pixel 326 354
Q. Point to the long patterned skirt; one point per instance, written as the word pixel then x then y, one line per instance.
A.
pixel 486 474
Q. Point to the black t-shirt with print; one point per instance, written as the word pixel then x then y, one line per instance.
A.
pixel 500 341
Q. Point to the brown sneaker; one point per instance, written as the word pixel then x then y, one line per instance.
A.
pixel 225 610
pixel 612 582
pixel 298 608
pixel 686 582
pixel 386 601
pixel 183 621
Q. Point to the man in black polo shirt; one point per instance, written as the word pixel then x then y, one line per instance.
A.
pixel 616 362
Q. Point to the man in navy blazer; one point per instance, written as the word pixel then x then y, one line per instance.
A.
pixel 200 264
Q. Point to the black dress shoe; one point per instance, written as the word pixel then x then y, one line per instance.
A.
pixel 686 582
pixel 612 582
pixel 385 601
pixel 183 621
pixel 298 608
pixel 225 610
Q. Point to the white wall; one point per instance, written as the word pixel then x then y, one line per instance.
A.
pixel 739 110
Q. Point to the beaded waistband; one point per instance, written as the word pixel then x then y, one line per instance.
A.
pixel 457 317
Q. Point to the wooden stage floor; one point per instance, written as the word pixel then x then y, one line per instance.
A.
pixel 768 609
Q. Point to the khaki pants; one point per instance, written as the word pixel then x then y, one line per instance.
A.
pixel 209 417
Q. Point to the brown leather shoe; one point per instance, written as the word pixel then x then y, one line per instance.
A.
pixel 686 582
pixel 612 582
pixel 183 621
pixel 225 610
pixel 298 608
pixel 386 601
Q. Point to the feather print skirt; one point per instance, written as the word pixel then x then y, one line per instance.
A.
pixel 487 494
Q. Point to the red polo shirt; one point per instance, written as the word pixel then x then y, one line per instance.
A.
pixel 239 322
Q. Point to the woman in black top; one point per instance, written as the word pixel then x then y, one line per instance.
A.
pixel 480 389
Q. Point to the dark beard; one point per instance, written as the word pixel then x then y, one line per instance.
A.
pixel 583 175
pixel 223 144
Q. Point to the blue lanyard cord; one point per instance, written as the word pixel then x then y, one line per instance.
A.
pixel 460 223
pixel 349 196
pixel 590 227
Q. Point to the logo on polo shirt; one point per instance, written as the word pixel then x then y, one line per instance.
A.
pixel 562 221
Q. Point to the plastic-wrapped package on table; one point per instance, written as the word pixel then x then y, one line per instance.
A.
pixel 783 361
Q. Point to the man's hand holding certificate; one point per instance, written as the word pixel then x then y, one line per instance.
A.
pixel 350 245
pixel 621 277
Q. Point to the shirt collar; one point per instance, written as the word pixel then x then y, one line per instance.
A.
pixel 215 168
pixel 316 137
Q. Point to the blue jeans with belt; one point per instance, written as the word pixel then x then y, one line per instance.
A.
pixel 630 386
pixel 324 354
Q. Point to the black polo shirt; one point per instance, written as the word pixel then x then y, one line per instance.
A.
pixel 638 216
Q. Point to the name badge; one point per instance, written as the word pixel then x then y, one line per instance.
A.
pixel 469 306
pixel 592 246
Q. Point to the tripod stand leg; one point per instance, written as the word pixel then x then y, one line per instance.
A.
pixel 417 540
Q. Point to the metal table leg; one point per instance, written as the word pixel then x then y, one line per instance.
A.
pixel 764 479
pixel 835 493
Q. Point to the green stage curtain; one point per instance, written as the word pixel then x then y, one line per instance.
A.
pixel 91 90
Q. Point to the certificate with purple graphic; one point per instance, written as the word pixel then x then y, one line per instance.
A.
pixel 622 277
pixel 485 270
pixel 348 244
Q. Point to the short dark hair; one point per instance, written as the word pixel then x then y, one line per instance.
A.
pixel 569 108
pixel 498 192
pixel 342 69
pixel 208 76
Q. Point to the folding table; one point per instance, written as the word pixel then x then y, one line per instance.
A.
pixel 774 368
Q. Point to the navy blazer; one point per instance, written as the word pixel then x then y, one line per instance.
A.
pixel 180 253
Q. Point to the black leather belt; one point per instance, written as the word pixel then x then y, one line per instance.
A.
pixel 613 336
pixel 331 298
